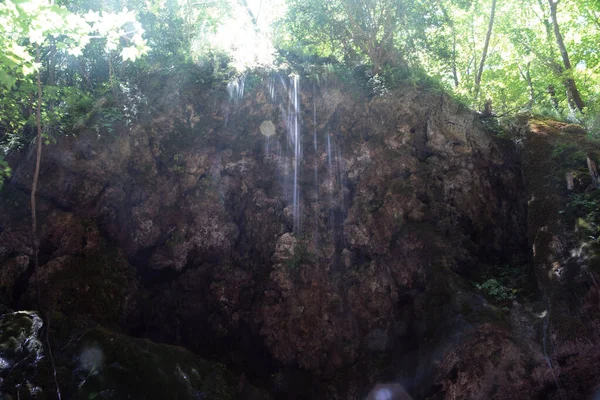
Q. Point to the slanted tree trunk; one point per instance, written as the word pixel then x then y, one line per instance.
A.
pixel 553 98
pixel 485 49
pixel 593 171
pixel 36 244
pixel 544 20
pixel 573 96
pixel 527 76
pixel 111 73
pixel 454 72
pixel 52 65
pixel 253 17
pixel 36 174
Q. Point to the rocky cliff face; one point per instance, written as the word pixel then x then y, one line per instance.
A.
pixel 320 240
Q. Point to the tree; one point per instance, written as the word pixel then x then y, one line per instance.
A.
pixel 30 25
pixel 485 49
pixel 27 26
pixel 379 32
pixel 573 95
pixel 372 27
pixel 520 56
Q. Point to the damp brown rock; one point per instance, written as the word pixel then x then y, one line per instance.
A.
pixel 185 232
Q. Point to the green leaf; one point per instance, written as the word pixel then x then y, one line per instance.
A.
pixel 7 80
pixel 36 36
pixel 129 53
pixel 28 69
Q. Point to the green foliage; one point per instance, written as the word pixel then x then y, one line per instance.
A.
pixel 446 40
pixel 505 283
pixel 26 24
pixel 214 69
pixel 379 33
pixel 107 119
pixel 372 46
pixel 591 120
pixel 568 154
pixel 178 164
pixel 4 171
pixel 584 209
pixel 497 291
pixel 39 36
pixel 66 108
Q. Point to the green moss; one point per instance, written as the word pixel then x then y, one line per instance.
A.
pixel 95 285
pixel 399 219
pixel 206 183
pixel 114 366
pixel 496 357
pixel 574 129
pixel 567 154
pixel 15 330
pixel 583 209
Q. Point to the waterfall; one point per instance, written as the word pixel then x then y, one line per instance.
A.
pixel 315 162
pixel 287 149
pixel 294 135
pixel 235 89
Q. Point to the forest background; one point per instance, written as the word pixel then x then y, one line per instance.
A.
pixel 81 59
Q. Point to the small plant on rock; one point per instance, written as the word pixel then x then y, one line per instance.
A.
pixel 497 291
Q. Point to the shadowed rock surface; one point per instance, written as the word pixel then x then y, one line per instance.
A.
pixel 182 228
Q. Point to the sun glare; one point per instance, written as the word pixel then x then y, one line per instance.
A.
pixel 247 34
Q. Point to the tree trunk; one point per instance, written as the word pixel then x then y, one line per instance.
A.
pixel 593 171
pixel 573 95
pixel 36 244
pixel 553 98
pixel 485 49
pixel 544 20
pixel 52 65
pixel 111 78
pixel 527 76
pixel 36 174
pixel 253 18
pixel 454 72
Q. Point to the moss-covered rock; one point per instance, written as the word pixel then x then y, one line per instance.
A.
pixel 112 366
pixel 99 285
pixel 99 364
pixel 19 336
pixel 20 353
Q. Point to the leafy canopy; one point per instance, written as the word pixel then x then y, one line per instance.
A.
pixel 27 26
pixel 539 57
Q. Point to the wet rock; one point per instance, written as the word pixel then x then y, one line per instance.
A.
pixel 99 285
pixel 20 352
pixel 11 271
pixel 403 199
pixel 115 366
pixel 285 249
